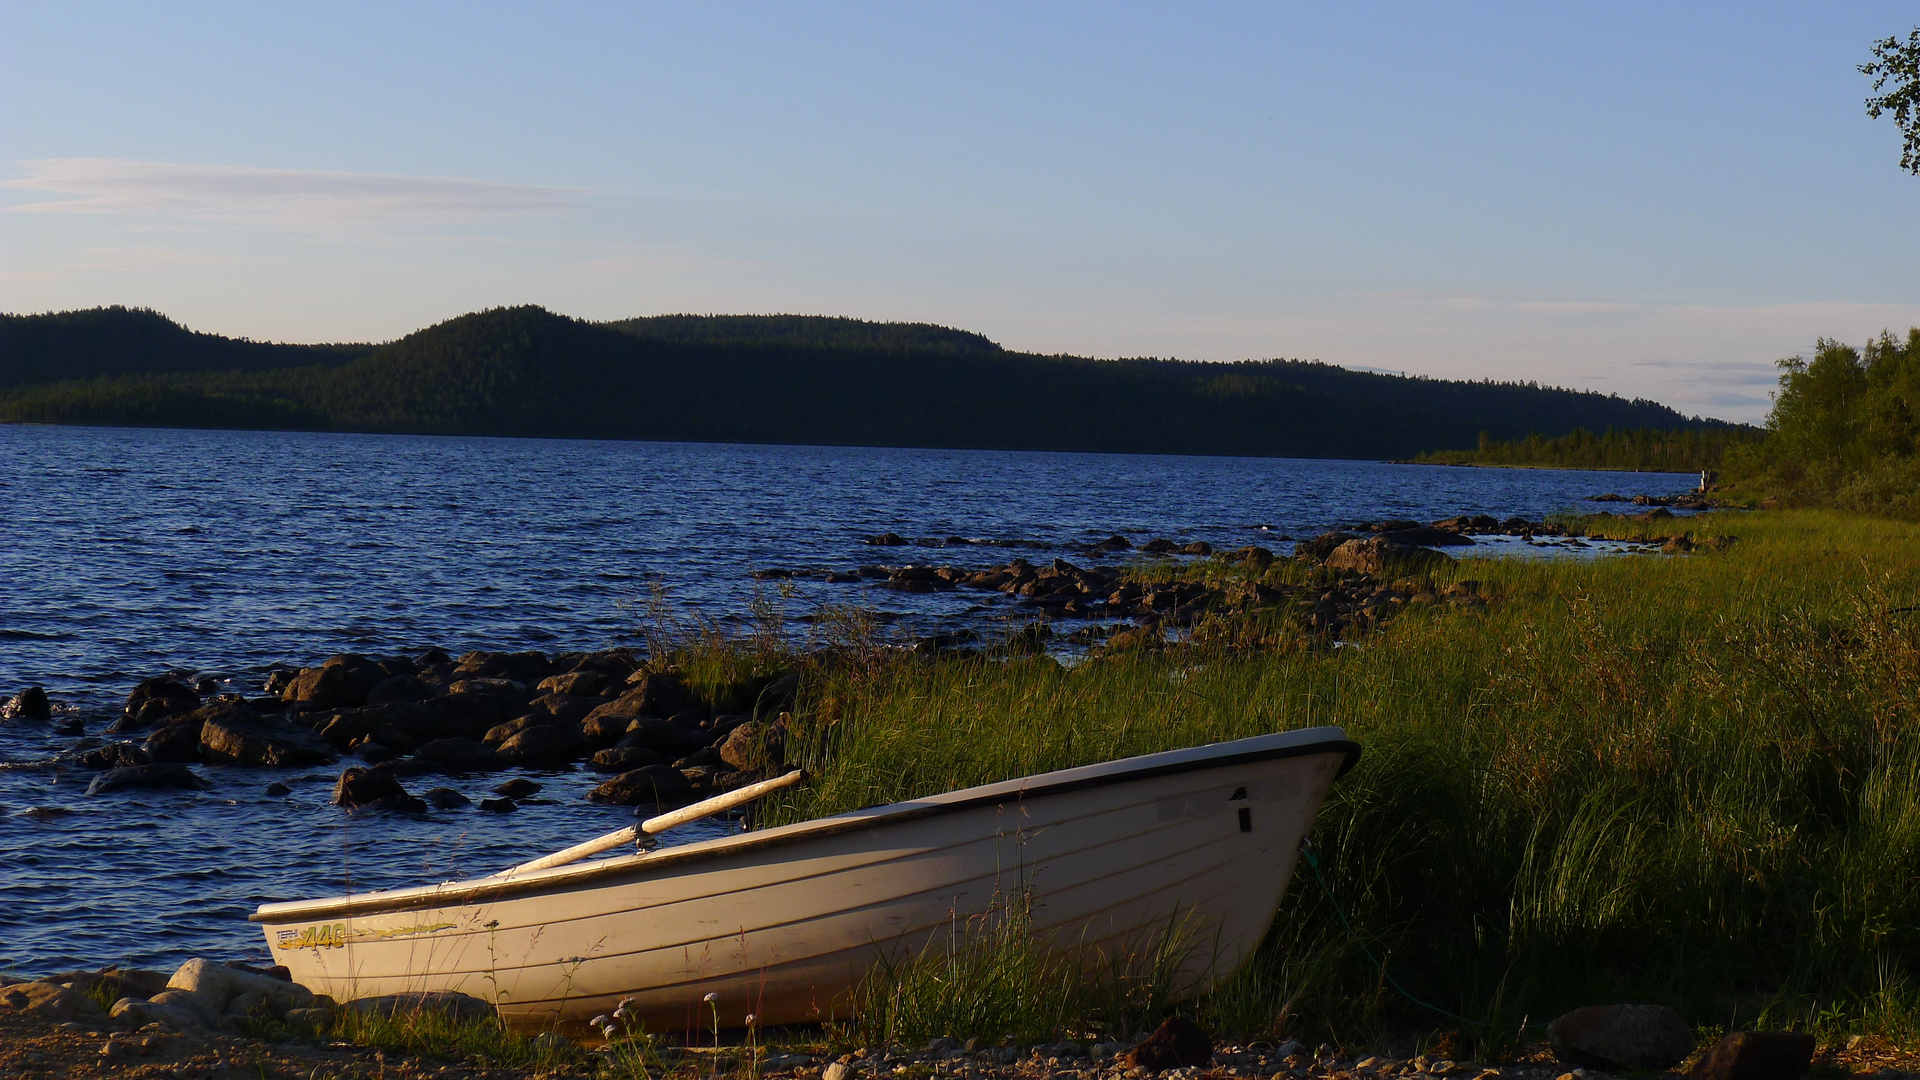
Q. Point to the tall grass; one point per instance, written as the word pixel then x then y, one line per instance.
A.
pixel 1687 780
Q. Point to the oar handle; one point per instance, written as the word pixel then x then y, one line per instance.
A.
pixel 660 824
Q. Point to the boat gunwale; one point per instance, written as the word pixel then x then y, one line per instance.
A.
pixel 571 877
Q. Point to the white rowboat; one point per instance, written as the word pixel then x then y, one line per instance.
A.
pixel 784 922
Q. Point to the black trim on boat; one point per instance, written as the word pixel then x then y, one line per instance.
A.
pixel 483 890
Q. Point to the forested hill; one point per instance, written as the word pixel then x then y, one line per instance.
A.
pixel 806 332
pixel 791 379
pixel 135 341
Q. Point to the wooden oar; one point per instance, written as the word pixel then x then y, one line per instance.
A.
pixel 696 811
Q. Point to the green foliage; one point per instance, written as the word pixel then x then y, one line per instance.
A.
pixel 991 975
pixel 435 1032
pixel 1686 780
pixel 1844 431
pixel 1644 450
pixel 525 371
pixel 1899 63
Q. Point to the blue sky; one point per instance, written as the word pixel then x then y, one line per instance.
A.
pixel 1653 200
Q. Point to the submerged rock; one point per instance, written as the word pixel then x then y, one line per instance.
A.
pixel 157 775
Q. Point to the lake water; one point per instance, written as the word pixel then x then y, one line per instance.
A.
pixel 126 553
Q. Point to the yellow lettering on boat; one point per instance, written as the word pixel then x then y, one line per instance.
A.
pixel 324 936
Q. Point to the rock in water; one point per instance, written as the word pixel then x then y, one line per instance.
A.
pixel 158 775
pixel 28 704
pixel 517 788
pixel 656 784
pixel 441 798
pixel 368 787
pixel 1377 556
pixel 1757 1055
pixel 1621 1037
pixel 1177 1043
pixel 239 735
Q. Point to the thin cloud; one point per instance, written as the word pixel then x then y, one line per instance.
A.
pixel 288 197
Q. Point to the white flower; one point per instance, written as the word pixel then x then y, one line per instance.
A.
pixel 711 996
pixel 600 1021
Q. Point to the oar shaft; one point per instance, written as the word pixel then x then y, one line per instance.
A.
pixel 623 837
pixel 709 807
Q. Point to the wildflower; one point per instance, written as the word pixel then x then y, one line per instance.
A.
pixel 711 996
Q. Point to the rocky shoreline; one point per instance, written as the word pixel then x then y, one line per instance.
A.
pixel 211 1020
pixel 400 723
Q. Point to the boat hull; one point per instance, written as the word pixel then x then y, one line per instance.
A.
pixel 784 924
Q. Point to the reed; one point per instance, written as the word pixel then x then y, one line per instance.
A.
pixel 1690 780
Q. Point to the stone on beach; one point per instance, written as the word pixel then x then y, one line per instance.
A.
pixel 52 1001
pixel 460 755
pixel 1621 1037
pixel 1177 1043
pixel 460 1007
pixel 221 986
pixel 1757 1055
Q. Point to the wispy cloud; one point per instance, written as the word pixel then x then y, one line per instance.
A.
pixel 289 197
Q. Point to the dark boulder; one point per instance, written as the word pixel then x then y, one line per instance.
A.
pixel 1757 1055
pixel 517 788
pixel 500 733
pixel 776 697
pixel 663 737
pixel 371 787
pixel 460 755
pixel 525 668
pixel 659 785
pixel 1651 1037
pixel 498 806
pixel 28 704
pixel 469 714
pixel 587 683
pixel 566 706
pixel 397 689
pixel 1159 546
pixel 1198 547
pixel 113 756
pixel 1323 545
pixel 157 775
pixel 162 689
pixel 620 759
pixel 1375 555
pixel 604 731
pixel 456 1007
pixel 442 798
pixel 1178 1043
pixel 545 746
pixel 238 735
pixel 1113 543
pixel 339 682
pixel 885 539
pixel 755 745
pixel 177 742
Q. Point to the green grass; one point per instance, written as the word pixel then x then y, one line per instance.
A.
pixel 1690 780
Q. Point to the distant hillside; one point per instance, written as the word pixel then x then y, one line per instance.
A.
pixel 114 341
pixel 805 332
pixel 792 379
